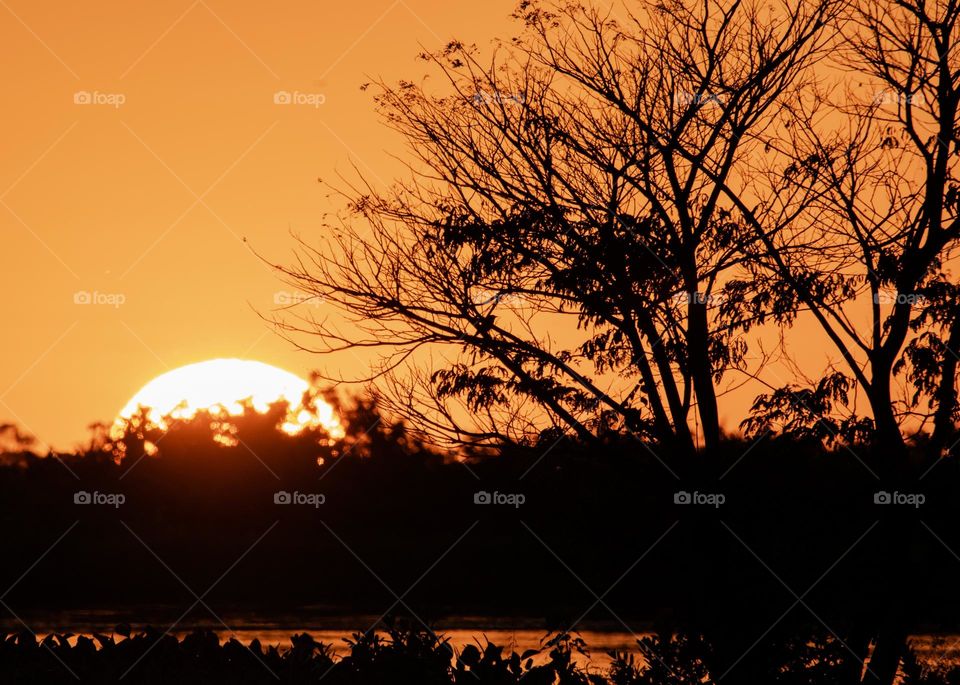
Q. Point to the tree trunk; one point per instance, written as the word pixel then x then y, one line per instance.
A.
pixel 668 381
pixel 698 355
pixel 890 608
pixel 663 427
pixel 888 437
pixel 858 640
pixel 889 649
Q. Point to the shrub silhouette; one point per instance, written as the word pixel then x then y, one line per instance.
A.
pixel 401 656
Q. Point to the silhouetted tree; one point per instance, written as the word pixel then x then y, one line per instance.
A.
pixel 873 164
pixel 577 181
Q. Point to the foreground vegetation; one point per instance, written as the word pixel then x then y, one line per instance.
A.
pixel 414 656
pixel 801 539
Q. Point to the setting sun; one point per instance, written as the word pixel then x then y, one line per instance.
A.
pixel 225 385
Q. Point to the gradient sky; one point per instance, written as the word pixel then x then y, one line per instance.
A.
pixel 143 143
pixel 150 199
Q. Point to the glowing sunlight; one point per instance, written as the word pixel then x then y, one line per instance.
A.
pixel 220 385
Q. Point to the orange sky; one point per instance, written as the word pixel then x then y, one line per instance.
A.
pixel 143 196
pixel 150 199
